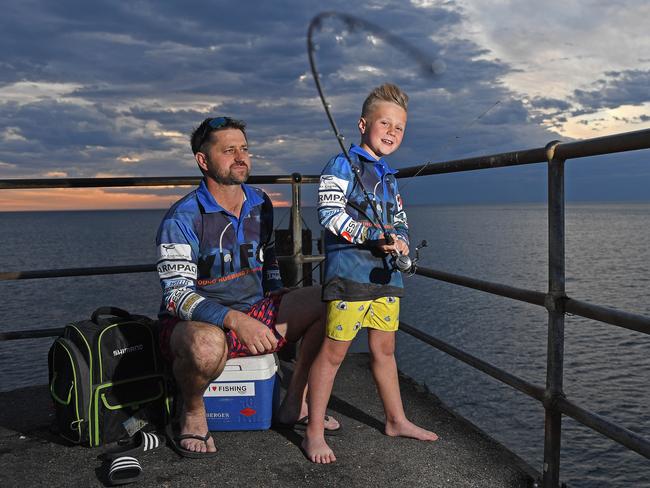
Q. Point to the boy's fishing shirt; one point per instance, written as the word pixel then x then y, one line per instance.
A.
pixel 210 261
pixel 354 268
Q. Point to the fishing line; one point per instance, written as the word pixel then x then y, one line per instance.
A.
pixel 451 142
pixel 310 273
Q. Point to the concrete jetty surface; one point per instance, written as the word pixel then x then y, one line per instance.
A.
pixel 32 456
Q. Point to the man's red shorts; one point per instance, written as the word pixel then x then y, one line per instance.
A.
pixel 266 311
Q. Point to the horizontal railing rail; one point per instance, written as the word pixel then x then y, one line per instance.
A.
pixel 69 272
pixel 626 437
pixel 627 320
pixel 623 436
pixel 638 323
pixel 556 302
pixel 534 297
pixel 123 269
pixel 629 141
pixel 514 381
pixel 32 184
pixel 30 334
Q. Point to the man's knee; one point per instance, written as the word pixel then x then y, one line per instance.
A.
pixel 202 347
pixel 301 310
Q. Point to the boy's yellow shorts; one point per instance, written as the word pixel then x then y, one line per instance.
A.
pixel 345 319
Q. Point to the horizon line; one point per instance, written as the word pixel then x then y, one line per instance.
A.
pixel 276 207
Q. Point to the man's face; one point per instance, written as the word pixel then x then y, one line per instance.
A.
pixel 383 129
pixel 227 160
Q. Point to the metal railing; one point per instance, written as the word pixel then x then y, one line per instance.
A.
pixel 555 300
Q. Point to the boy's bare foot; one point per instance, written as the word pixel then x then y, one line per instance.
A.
pixel 406 428
pixel 195 423
pixel 317 451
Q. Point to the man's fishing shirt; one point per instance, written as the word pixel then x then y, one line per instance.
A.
pixel 354 268
pixel 210 261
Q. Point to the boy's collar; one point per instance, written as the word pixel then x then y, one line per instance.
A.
pixel 380 164
pixel 210 205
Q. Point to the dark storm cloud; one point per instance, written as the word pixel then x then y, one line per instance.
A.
pixel 630 87
pixel 120 85
pixel 550 104
pixel 129 60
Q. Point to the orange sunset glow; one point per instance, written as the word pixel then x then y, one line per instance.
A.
pixel 96 199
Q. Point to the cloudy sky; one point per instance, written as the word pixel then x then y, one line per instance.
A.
pixel 103 88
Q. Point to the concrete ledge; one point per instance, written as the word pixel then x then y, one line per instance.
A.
pixel 31 456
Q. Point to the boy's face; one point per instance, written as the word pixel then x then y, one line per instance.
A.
pixel 383 129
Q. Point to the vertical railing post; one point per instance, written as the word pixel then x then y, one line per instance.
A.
pixel 555 306
pixel 295 274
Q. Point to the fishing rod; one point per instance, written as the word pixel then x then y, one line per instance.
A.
pixel 400 261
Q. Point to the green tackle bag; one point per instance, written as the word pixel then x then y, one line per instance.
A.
pixel 106 378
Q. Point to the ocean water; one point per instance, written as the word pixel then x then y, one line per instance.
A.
pixel 606 367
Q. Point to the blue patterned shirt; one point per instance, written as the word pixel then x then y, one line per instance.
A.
pixel 354 268
pixel 210 261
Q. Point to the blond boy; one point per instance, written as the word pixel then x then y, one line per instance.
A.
pixel 361 287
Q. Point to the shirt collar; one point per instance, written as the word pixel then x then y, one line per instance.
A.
pixel 210 205
pixel 381 166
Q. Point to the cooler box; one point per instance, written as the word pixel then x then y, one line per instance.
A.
pixel 244 396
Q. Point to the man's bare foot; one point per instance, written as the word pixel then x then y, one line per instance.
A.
pixel 406 428
pixel 317 451
pixel 195 423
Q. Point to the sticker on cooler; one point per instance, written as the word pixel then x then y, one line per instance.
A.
pixel 244 395
pixel 230 389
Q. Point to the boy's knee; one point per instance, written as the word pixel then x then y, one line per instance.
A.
pixel 382 349
pixel 334 352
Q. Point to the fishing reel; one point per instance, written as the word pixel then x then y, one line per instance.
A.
pixel 403 263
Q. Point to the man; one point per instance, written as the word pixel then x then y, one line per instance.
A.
pixel 222 293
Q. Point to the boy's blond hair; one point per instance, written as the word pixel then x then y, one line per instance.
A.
pixel 387 92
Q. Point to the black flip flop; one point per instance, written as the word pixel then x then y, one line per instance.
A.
pixel 175 442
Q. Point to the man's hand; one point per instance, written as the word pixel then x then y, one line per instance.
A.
pixel 256 336
pixel 398 246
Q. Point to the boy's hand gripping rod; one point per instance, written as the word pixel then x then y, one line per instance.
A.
pixel 404 263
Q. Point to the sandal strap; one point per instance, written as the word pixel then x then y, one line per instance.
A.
pixel 198 437
pixel 150 441
pixel 125 469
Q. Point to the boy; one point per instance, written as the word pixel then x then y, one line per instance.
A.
pixel 361 289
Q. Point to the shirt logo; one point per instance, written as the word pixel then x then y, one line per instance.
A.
pixel 175 251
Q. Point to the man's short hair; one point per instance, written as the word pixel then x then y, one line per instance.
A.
pixel 201 135
pixel 387 92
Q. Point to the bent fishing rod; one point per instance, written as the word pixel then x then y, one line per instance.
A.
pixel 400 261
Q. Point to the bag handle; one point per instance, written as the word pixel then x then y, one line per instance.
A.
pixel 113 311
